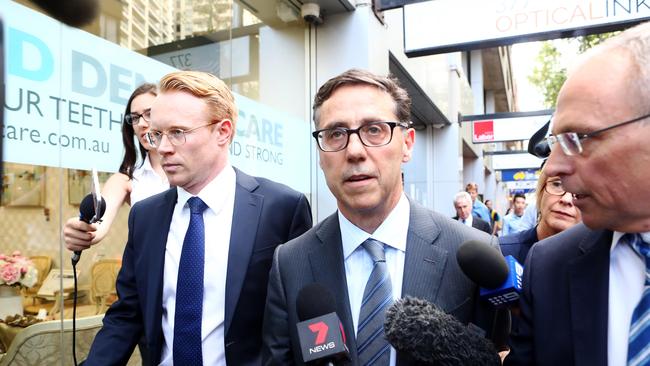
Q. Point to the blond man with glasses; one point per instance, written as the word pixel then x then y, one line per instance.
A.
pixel 195 267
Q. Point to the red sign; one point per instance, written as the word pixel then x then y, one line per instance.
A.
pixel 483 131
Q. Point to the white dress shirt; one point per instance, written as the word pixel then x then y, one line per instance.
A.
pixel 627 273
pixel 219 195
pixel 359 265
pixel 468 221
pixel 146 182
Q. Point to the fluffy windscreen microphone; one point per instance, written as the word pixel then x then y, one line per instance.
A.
pixel 75 13
pixel 432 337
pixel 482 263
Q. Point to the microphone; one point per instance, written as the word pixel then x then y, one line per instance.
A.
pixel 432 337
pixel 75 13
pixel 499 278
pixel 89 214
pixel 321 335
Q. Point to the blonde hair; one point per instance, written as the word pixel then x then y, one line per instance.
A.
pixel 541 184
pixel 208 87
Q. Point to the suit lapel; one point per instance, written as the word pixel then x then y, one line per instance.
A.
pixel 424 262
pixel 152 252
pixel 245 218
pixel 589 297
pixel 328 268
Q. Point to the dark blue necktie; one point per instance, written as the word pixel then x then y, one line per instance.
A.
pixel 187 349
pixel 372 346
pixel 638 352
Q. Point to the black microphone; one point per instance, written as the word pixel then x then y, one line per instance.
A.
pixel 499 277
pixel 88 215
pixel 432 337
pixel 75 13
pixel 321 334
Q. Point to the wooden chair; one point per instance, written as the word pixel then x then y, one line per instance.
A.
pixel 102 287
pixel 40 344
pixel 43 264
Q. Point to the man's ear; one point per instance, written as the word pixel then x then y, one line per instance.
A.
pixel 225 132
pixel 407 147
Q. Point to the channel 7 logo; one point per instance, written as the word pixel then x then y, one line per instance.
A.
pixel 321 330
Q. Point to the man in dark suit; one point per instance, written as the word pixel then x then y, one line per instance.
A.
pixel 195 267
pixel 379 245
pixel 586 298
pixel 463 206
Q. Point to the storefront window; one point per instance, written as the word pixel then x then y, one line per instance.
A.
pixel 66 90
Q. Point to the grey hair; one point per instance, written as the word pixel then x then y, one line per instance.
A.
pixel 636 42
pixel 462 195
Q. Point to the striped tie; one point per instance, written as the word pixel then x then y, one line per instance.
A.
pixel 638 352
pixel 372 346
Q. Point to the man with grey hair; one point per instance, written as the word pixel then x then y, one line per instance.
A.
pixel 463 206
pixel 586 298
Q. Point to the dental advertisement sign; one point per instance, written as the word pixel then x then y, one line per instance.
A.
pixel 66 91
pixel 444 26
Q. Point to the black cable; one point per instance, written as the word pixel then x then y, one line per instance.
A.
pixel 74 314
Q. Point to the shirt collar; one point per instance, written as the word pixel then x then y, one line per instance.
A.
pixel 616 238
pixel 215 193
pixel 146 167
pixel 392 231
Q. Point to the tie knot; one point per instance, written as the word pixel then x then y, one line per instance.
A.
pixel 197 206
pixel 376 250
pixel 639 246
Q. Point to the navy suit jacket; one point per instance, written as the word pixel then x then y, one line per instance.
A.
pixel 564 304
pixel 518 244
pixel 265 214
pixel 431 272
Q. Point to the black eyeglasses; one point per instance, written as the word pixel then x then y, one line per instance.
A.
pixel 134 118
pixel 176 136
pixel 373 134
pixel 555 188
pixel 571 144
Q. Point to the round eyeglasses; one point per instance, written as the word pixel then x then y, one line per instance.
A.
pixel 555 188
pixel 373 134
pixel 134 118
pixel 176 136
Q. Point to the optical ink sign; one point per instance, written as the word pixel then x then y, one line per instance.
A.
pixel 444 26
pixel 66 92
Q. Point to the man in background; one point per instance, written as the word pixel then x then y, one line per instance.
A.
pixel 495 218
pixel 463 206
pixel 586 295
pixel 478 208
pixel 512 221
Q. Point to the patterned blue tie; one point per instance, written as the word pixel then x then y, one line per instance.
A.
pixel 372 346
pixel 638 352
pixel 187 349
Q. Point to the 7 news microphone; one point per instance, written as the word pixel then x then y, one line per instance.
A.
pixel 89 214
pixel 321 335
pixel 430 336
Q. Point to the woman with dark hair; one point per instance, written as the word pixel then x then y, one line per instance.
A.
pixel 140 174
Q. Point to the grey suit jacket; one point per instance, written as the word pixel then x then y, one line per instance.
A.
pixel 431 273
